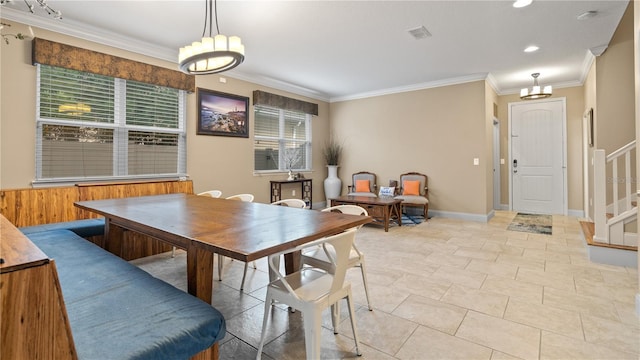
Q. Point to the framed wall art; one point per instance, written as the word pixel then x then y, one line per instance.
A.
pixel 589 122
pixel 222 114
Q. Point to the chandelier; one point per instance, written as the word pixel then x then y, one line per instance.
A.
pixel 212 54
pixel 43 5
pixel 536 92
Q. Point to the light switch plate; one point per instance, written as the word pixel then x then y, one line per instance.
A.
pixel 476 161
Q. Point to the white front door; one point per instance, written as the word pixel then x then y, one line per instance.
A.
pixel 538 156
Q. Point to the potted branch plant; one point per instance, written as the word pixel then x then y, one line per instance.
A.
pixel 332 184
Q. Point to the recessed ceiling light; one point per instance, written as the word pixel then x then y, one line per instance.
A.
pixel 587 15
pixel 531 48
pixel 420 32
pixel 522 3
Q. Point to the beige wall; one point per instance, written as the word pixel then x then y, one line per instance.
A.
pixel 436 131
pixel 214 162
pixel 575 109
pixel 491 99
pixel 615 107
pixel 590 103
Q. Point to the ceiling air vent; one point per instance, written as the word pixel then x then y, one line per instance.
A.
pixel 419 32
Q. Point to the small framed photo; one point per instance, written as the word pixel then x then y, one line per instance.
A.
pixel 222 114
pixel 589 120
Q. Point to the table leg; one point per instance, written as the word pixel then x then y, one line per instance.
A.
pixel 112 238
pixel 200 273
pixel 398 214
pixel 387 216
pixel 292 262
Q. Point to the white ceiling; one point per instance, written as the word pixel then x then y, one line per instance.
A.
pixel 337 50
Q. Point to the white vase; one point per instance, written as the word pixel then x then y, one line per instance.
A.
pixel 332 184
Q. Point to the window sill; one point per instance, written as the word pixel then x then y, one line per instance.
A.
pixel 44 183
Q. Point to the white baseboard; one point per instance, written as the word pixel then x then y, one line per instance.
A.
pixel 462 216
pixel 570 212
pixel 576 213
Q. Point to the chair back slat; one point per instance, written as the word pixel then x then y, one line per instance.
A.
pixel 241 197
pixel 341 245
pixel 296 203
pixel 347 209
pixel 212 193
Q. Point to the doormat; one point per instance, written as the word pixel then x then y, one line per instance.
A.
pixel 531 223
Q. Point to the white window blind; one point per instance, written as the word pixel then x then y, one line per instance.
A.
pixel 93 127
pixel 282 140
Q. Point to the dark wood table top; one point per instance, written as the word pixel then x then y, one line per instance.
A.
pixel 241 230
pixel 380 200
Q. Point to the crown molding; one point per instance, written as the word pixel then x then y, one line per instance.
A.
pixel 413 87
pixel 279 85
pixel 493 83
pixel 560 85
pixel 91 33
pixel 587 62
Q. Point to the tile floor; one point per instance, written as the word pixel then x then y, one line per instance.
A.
pixel 449 289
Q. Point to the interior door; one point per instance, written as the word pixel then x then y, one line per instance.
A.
pixel 538 157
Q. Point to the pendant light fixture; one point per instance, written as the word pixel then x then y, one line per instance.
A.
pixel 212 54
pixel 536 92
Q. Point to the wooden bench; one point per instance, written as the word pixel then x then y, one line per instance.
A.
pixel 65 298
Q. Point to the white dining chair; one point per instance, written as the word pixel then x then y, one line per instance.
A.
pixel 212 193
pixel 316 257
pixel 312 290
pixel 239 197
pixel 296 203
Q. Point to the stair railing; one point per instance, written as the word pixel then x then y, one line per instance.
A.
pixel 610 229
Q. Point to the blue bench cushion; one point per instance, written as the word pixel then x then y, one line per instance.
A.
pixel 84 228
pixel 118 311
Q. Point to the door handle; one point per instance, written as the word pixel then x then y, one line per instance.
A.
pixel 515 165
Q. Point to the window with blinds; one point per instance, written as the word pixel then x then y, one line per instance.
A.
pixel 282 140
pixel 94 127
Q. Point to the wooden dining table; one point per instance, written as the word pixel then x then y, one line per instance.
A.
pixel 205 226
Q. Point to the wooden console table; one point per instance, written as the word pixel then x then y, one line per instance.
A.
pixel 306 189
pixel 381 209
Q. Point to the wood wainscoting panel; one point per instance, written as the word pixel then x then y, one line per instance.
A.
pixel 27 207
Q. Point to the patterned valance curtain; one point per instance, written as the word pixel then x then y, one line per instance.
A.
pixel 70 57
pixel 283 102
